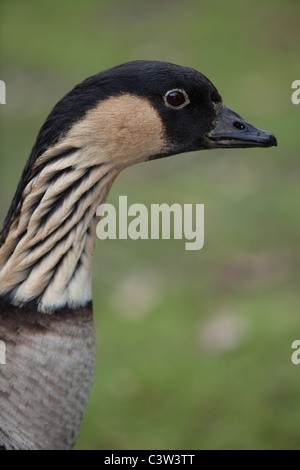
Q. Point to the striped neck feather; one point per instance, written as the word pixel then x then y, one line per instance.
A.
pixel 47 254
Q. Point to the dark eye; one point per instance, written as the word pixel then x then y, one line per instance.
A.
pixel 176 98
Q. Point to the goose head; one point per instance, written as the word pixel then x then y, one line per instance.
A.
pixel 144 110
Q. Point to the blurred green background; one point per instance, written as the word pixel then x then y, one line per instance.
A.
pixel 194 347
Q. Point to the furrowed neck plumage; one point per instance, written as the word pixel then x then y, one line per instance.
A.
pixel 46 255
pixel 48 251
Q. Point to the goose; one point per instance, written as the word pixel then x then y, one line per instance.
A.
pixel 131 113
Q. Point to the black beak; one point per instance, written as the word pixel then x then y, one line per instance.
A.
pixel 231 130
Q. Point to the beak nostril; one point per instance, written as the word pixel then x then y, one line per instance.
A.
pixel 239 125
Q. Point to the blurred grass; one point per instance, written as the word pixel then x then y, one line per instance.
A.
pixel 159 383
